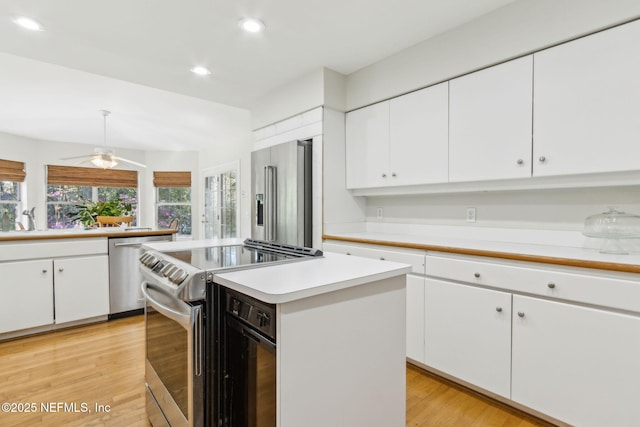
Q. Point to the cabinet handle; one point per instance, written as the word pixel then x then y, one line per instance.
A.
pixel 381 258
pixel 521 314
pixel 551 285
pixel 348 253
pixel 476 275
pixel 520 162
pixel 499 309
pixel 542 159
pixel 394 175
pixel 61 270
pixel 384 175
pixel 44 271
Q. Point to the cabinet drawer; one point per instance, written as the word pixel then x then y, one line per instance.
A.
pixel 416 260
pixel 578 286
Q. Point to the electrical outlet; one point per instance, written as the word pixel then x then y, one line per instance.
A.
pixel 471 214
pixel 379 213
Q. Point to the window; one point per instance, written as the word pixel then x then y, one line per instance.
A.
pixel 10 201
pixel 221 202
pixel 173 200
pixel 68 186
pixel 12 175
pixel 62 199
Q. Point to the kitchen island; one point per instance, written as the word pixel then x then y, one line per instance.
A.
pixel 340 333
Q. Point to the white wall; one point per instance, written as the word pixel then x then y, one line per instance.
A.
pixel 508 32
pixel 36 154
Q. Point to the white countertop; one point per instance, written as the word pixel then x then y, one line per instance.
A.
pixel 589 249
pixel 287 282
pixel 180 245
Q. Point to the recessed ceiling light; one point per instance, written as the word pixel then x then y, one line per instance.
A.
pixel 201 71
pixel 251 25
pixel 28 23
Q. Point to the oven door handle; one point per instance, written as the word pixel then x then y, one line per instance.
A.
pixel 182 317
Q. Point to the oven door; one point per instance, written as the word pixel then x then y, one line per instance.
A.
pixel 174 361
pixel 250 377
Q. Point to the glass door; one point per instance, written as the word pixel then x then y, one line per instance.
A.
pixel 221 211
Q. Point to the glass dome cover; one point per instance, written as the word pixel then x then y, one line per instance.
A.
pixel 613 224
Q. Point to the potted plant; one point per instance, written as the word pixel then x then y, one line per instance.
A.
pixel 88 212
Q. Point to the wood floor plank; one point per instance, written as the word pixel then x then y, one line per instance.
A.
pixel 104 364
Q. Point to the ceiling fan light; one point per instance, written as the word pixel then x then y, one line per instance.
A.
pixel 104 163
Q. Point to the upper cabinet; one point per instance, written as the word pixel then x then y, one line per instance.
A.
pixel 490 123
pixel 399 142
pixel 587 104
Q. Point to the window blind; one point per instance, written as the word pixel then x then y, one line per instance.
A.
pixel 12 171
pixel 91 177
pixel 172 179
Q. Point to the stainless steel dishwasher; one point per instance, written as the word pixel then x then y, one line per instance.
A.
pixel 125 296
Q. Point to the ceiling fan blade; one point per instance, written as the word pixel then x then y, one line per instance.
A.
pixel 128 161
pixel 86 156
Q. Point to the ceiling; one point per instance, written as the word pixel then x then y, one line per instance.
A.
pixel 133 58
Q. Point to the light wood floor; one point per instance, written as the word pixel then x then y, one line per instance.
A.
pixel 103 364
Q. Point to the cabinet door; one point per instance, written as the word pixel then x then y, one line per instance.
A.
pixel 415 318
pixel 490 123
pixel 587 104
pixel 81 288
pixel 577 364
pixel 26 295
pixel 367 142
pixel 468 334
pixel 419 137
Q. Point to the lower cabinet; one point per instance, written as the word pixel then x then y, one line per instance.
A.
pixel 26 291
pixel 468 334
pixel 415 317
pixel 52 291
pixel 81 288
pixel 577 364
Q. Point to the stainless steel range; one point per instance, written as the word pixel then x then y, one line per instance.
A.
pixel 185 320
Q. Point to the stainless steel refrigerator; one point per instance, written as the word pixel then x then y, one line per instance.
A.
pixel 281 188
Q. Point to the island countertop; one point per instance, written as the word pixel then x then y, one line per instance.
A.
pixel 15 236
pixel 288 282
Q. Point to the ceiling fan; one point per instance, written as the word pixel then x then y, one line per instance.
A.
pixel 103 157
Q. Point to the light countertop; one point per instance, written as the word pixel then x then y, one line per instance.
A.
pixel 287 282
pixel 588 255
pixel 71 233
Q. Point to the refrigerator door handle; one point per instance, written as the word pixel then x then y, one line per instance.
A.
pixel 270 186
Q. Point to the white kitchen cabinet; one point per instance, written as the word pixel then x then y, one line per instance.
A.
pixel 26 291
pixel 415 317
pixel 468 334
pixel 81 288
pixel 578 364
pixel 367 146
pixel 587 104
pixel 490 123
pixel 419 137
pixel 403 141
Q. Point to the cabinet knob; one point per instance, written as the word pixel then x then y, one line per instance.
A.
pixel 542 159
pixel 381 258
pixel 61 270
pixel 348 253
pixel 551 285
pixel 521 314
pixel 44 271
pixel 393 174
pixel 384 175
pixel 476 275
pixel 499 309
pixel 520 162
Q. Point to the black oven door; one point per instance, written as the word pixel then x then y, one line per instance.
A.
pixel 250 377
pixel 174 359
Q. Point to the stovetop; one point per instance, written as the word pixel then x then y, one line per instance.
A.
pixel 185 273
